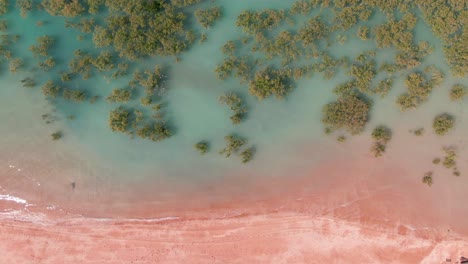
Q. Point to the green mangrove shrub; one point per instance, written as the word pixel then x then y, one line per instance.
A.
pixel 201 147
pixel 254 21
pixel 269 82
pixel 236 105
pixel 74 95
pixel 28 82
pixel 207 17
pixel 427 178
pixel 349 112
pixel 119 119
pixel 381 136
pixel 119 96
pixel 50 90
pixel 247 155
pixel 443 123
pixel 233 145
pixel 56 135
pixel 44 43
pixel 458 92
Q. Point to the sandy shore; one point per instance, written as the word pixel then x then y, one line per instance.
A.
pixel 353 214
pixel 245 238
pixel 275 238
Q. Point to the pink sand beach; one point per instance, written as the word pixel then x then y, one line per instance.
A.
pixel 357 213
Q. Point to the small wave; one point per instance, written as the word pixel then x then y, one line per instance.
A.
pixel 7 197
pixel 26 216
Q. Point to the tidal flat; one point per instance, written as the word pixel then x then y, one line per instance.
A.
pixel 170 108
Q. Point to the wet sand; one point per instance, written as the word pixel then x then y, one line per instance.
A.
pixel 266 238
pixel 356 213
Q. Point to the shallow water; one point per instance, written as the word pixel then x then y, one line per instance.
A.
pixel 92 163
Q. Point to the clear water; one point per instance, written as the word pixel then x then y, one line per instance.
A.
pixel 287 134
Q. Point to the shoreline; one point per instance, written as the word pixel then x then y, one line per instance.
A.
pixel 263 238
pixel 354 217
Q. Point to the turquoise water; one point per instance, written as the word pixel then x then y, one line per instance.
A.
pixel 100 161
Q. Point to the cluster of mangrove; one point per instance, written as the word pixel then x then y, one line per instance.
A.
pixel 273 34
pixel 427 178
pixel 418 132
pixel 349 112
pixel 458 92
pixel 301 48
pixel 202 147
pixel 449 161
pixel 381 136
pixel 125 121
pixel 235 145
pixel 123 33
pixel 236 105
pixel 419 88
pixel 56 135
pixel 443 123
pixel 278 48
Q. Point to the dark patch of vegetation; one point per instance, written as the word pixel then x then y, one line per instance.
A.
pixel 50 90
pixel 15 65
pixel 236 105
pixel 314 29
pixel 268 82
pixel 443 123
pixel 381 136
pixel 254 21
pixel 207 17
pixel 57 135
pixel 348 112
pixel 119 95
pixel 202 147
pixel 382 133
pixel 247 155
pixel 427 178
pixel 419 132
pixel 450 158
pixel 44 43
pixel 74 95
pixel 28 82
pixel 119 120
pixel 233 145
pixel 458 92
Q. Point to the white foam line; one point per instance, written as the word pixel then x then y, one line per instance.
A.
pixel 26 216
pixel 8 197
pixel 154 220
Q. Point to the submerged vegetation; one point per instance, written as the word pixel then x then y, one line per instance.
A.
pixel 202 147
pixel 234 144
pixel 419 132
pixel 427 178
pixel 236 105
pixel 136 42
pixel 120 96
pixel 381 136
pixel 348 112
pixel 57 135
pixel 458 92
pixel 269 82
pixel 443 123
pixel 119 120
pixel 207 17
pixel 449 160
